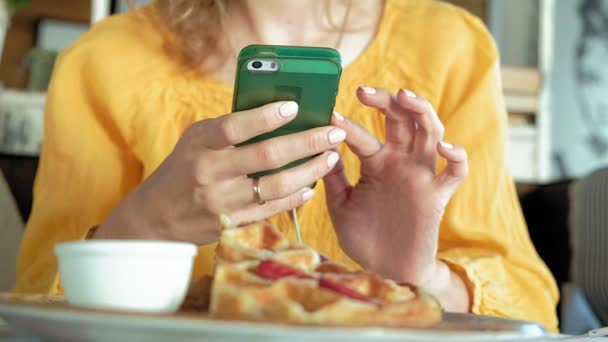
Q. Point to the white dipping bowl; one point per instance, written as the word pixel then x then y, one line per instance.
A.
pixel 141 276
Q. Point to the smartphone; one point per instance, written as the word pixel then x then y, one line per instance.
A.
pixel 309 76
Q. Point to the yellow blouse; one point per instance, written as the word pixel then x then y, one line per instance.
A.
pixel 117 105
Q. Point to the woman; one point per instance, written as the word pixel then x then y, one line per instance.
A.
pixel 136 143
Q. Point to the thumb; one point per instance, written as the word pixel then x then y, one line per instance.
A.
pixel 337 186
pixel 455 171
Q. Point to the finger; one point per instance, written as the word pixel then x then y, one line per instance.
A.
pixel 455 171
pixel 337 186
pixel 400 128
pixel 286 182
pixel 276 152
pixel 278 185
pixel 358 139
pixel 430 129
pixel 235 128
pixel 257 212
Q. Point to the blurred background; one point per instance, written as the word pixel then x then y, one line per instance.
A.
pixel 555 79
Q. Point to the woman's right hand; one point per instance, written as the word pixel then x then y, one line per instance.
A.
pixel 206 175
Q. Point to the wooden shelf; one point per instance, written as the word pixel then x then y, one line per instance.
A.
pixel 522 89
pixel 521 103
pixel 521 80
pixel 21 36
pixel 477 7
pixel 522 153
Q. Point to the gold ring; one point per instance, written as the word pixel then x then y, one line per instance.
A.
pixel 256 191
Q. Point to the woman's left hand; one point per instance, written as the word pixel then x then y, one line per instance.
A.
pixel 389 221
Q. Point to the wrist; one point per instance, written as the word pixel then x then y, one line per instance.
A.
pixel 447 286
pixel 437 278
pixel 126 221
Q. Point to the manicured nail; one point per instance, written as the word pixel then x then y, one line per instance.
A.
pixel 288 109
pixel 409 93
pixel 336 135
pixel 338 116
pixel 332 159
pixel 446 145
pixel 369 90
pixel 307 194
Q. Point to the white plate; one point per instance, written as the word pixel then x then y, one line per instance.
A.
pixel 71 324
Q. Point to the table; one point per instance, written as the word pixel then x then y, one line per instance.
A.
pixel 7 334
pixel 11 337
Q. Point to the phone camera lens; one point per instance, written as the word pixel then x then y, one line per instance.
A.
pixel 273 65
pixel 256 64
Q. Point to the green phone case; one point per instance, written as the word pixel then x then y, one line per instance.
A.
pixel 308 75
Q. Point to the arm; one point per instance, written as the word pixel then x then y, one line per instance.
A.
pixel 405 217
pixel 85 168
pixel 449 288
pixel 484 238
pixel 390 220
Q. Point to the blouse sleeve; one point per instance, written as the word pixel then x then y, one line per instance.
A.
pixel 484 237
pixel 85 166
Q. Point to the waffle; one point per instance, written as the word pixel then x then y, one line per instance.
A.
pixel 260 275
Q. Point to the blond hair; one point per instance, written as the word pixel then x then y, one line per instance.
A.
pixel 195 27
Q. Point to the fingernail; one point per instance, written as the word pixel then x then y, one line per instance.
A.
pixel 338 116
pixel 369 90
pixel 446 145
pixel 409 93
pixel 307 194
pixel 332 159
pixel 288 109
pixel 336 135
